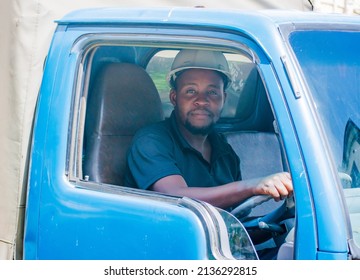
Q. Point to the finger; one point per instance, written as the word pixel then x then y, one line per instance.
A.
pixel 269 188
pixel 278 185
pixel 281 190
pixel 283 185
pixel 287 181
pixel 287 174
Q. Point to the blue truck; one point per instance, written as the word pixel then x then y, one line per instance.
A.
pixel 294 105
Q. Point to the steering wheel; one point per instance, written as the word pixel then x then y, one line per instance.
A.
pixel 244 209
pixel 270 221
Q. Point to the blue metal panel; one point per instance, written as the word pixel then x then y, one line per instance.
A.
pixel 82 224
pixel 322 177
pixel 306 235
pixel 210 17
pixel 38 153
pixel 332 256
pixel 318 226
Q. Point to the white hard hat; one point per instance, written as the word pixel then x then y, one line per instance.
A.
pixel 200 59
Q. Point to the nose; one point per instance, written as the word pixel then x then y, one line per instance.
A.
pixel 201 100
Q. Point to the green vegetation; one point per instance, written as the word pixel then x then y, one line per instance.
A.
pixel 159 79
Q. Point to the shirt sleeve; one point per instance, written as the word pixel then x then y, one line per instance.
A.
pixel 149 159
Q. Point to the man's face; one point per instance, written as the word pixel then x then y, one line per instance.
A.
pixel 198 99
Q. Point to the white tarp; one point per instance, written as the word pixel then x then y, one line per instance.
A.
pixel 336 6
pixel 26 31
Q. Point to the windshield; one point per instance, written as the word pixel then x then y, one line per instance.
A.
pixel 330 61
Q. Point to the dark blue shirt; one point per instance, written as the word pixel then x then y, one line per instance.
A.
pixel 160 150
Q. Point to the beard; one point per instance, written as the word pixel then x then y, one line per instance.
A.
pixel 204 130
pixel 200 130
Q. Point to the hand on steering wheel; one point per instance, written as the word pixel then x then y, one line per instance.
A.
pixel 278 185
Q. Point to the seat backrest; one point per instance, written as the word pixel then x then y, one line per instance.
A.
pixel 260 155
pixel 123 99
pixel 259 152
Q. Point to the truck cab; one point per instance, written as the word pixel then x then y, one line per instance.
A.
pixel 293 106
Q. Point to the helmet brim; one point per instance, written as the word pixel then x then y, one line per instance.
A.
pixel 174 74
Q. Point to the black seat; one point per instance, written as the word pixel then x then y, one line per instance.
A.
pixel 123 99
pixel 259 152
pixel 260 155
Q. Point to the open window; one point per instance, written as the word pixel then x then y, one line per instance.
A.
pixel 124 87
pixel 117 101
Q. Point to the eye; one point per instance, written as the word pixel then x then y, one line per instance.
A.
pixel 191 91
pixel 212 92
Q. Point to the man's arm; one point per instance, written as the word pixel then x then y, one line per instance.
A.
pixel 278 185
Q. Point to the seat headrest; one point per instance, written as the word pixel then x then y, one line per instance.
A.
pixel 124 98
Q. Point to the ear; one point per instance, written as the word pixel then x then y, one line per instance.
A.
pixel 172 96
pixel 225 95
